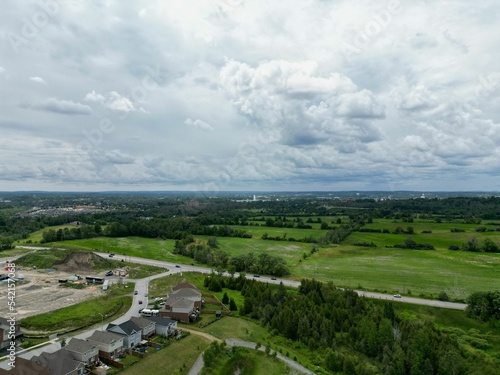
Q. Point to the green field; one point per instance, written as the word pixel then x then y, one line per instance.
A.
pixel 296 233
pixel 425 272
pixel 186 352
pixel 245 361
pixel 81 315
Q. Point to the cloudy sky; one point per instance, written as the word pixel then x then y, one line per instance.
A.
pixel 249 95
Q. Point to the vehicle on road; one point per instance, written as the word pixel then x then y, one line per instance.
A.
pixel 273 278
pixel 140 302
pixel 136 292
pixel 397 296
pixel 178 266
pixel 256 275
pixel 145 294
pixel 111 255
pixel 109 273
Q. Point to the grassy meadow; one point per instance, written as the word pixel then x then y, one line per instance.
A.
pixel 383 268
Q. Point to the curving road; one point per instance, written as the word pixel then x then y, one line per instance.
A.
pixel 290 283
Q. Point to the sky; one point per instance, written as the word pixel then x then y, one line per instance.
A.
pixel 228 95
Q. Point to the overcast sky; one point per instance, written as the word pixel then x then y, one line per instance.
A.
pixel 249 95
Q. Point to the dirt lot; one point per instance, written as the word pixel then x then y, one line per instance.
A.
pixel 41 292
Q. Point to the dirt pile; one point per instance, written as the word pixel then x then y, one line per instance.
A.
pixel 80 262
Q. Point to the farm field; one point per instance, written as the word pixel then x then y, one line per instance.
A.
pixel 297 233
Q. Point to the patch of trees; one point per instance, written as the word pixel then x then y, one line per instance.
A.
pixel 6 242
pixel 365 244
pixel 355 336
pixel 79 232
pixel 473 245
pixel 307 239
pixel 264 263
pixel 411 244
pixel 484 306
pixel 206 252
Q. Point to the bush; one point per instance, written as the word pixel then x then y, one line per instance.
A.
pixel 443 296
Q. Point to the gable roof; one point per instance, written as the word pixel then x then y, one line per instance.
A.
pixel 105 337
pixel 141 322
pixel 184 285
pixel 57 363
pixel 79 346
pixel 161 321
pixel 128 327
pixel 185 292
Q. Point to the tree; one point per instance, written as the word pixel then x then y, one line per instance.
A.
pixel 232 305
pixel 225 299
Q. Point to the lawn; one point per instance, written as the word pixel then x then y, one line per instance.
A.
pixel 186 352
pixel 425 272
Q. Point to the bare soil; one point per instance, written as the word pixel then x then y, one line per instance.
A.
pixel 41 292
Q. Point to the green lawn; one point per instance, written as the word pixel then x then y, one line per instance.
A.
pixel 177 358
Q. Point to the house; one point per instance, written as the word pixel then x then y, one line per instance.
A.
pixel 110 344
pixel 7 328
pixel 94 279
pixel 148 327
pixel 183 303
pixel 83 351
pixel 130 332
pixel 57 363
pixel 164 326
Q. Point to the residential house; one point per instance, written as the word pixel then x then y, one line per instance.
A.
pixel 183 303
pixel 164 326
pixel 57 363
pixel 5 330
pixel 84 351
pixel 148 327
pixel 110 344
pixel 130 332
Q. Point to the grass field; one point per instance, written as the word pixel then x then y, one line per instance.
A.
pixel 403 271
pixel 245 361
pixel 83 314
pixel 296 233
pixel 177 358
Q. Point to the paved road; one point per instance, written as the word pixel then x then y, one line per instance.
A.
pixel 291 283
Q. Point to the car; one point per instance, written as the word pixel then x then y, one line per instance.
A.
pixel 140 310
pixel 145 294
pixel 140 302
pixel 397 296
pixel 273 278
pixel 256 275
pixel 163 303
pixel 178 266
pixel 136 292
pixel 109 273
pixel 111 255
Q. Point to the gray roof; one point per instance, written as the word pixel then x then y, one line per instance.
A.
pixel 79 346
pixel 185 292
pixel 128 327
pixel 57 363
pixel 161 321
pixel 105 337
pixel 184 285
pixel 141 322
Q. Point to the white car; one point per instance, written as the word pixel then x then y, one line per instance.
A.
pixel 397 296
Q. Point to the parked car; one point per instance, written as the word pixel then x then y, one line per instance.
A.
pixel 109 273
pixel 145 294
pixel 135 292
pixel 140 310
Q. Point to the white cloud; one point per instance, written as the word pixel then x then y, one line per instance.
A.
pixel 65 107
pixel 198 124
pixel 112 100
pixel 38 80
